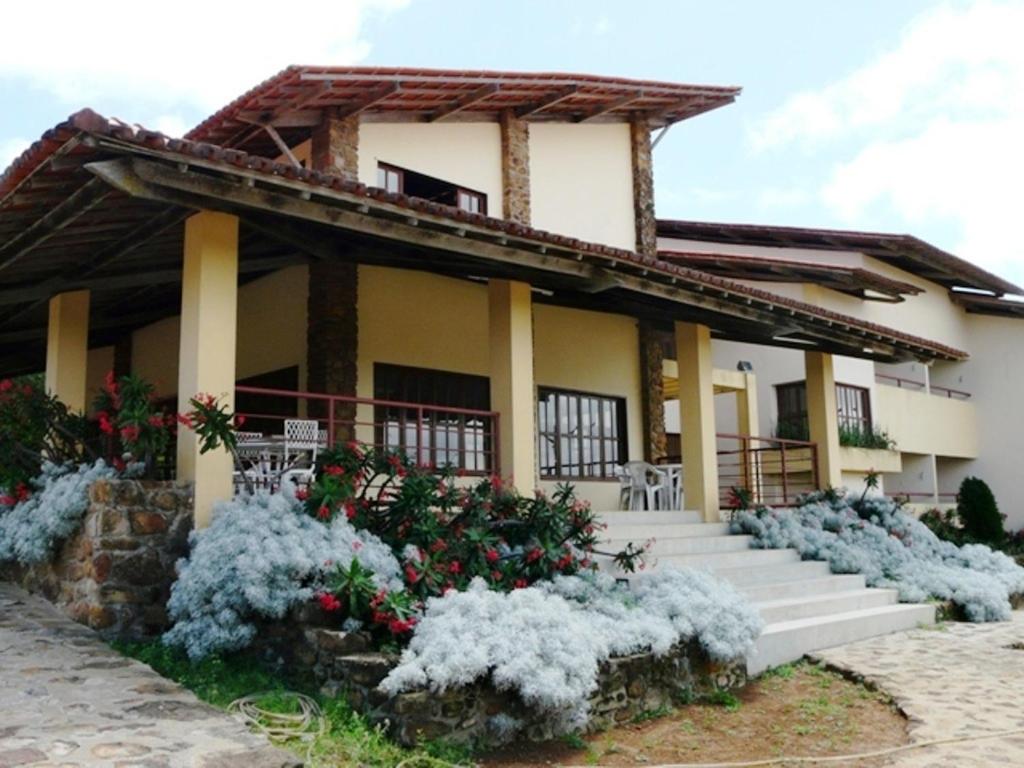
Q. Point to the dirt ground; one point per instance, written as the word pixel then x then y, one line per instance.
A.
pixel 799 710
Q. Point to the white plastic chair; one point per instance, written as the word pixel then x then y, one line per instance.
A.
pixel 642 486
pixel 301 437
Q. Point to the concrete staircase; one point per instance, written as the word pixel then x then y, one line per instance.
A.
pixel 805 607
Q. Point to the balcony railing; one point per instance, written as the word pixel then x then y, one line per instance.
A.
pixel 920 386
pixel 430 435
pixel 775 472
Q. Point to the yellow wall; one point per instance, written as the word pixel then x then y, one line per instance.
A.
pixel 467 154
pixel 591 352
pixel 924 423
pixel 155 355
pixel 581 182
pixel 100 362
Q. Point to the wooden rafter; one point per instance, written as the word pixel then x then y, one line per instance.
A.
pixel 598 110
pixel 526 110
pixel 464 101
pixel 372 99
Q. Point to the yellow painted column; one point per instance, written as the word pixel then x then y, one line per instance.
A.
pixel 823 416
pixel 511 342
pixel 206 363
pixel 697 419
pixel 67 348
pixel 748 423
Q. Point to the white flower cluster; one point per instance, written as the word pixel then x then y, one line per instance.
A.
pixel 31 529
pixel 260 557
pixel 547 641
pixel 892 549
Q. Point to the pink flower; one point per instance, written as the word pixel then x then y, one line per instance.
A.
pixel 455 567
pixel 301 494
pixel 324 513
pixel 411 574
pixel 492 555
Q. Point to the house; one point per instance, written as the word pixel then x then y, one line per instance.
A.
pixel 468 266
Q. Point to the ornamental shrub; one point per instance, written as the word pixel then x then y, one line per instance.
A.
pixel 134 427
pixel 872 536
pixel 546 642
pixel 978 512
pixel 259 558
pixel 51 508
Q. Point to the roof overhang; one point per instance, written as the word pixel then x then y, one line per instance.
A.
pixel 980 304
pixel 904 251
pixel 100 204
pixel 296 99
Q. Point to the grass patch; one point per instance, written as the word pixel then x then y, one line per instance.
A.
pixel 725 699
pixel 346 739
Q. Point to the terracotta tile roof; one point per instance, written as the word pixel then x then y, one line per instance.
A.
pixel 905 251
pixel 87 127
pixel 293 99
pixel 762 269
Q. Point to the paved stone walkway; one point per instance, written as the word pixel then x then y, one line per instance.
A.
pixel 66 699
pixel 955 680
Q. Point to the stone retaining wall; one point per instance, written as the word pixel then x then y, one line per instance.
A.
pixel 115 574
pixel 343 662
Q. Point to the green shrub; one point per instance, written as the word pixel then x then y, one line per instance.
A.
pixel 978 512
pixel 871 437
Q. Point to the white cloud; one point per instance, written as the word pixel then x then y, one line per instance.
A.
pixel 935 126
pixel 10 149
pixel 200 54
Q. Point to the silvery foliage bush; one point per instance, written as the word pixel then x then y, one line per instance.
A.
pixel 31 529
pixel 547 642
pixel 892 549
pixel 260 557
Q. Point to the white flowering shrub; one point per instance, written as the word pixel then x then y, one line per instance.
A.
pixel 892 549
pixel 547 641
pixel 58 500
pixel 260 557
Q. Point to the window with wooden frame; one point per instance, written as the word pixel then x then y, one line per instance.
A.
pixel 406 182
pixel 434 437
pixel 854 406
pixel 580 435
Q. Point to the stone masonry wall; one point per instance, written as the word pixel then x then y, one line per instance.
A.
pixel 344 662
pixel 652 397
pixel 643 188
pixel 115 574
pixel 515 168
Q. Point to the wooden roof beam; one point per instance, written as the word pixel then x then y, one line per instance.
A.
pixel 526 110
pixel 372 99
pixel 603 109
pixel 464 101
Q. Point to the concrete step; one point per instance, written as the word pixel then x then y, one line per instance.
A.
pixel 742 577
pixel 687 545
pixel 749 560
pixel 638 533
pixel 648 517
pixel 787 641
pixel 806 606
pixel 806 587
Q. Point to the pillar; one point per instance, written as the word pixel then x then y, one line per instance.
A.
pixel 515 168
pixel 67 348
pixel 747 423
pixel 652 392
pixel 697 419
pixel 206 362
pixel 332 329
pixel 511 350
pixel 823 416
pixel 643 188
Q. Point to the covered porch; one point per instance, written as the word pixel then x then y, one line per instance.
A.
pixel 385 318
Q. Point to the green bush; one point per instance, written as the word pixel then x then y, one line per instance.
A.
pixel 872 437
pixel 978 512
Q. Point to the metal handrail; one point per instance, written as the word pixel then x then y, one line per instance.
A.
pixel 921 386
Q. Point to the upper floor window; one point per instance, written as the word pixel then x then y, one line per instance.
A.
pixel 406 182
pixel 580 435
pixel 853 405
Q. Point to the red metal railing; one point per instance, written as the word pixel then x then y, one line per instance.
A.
pixel 923 496
pixel 920 386
pixel 431 435
pixel 775 472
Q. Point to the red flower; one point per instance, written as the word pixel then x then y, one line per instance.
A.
pixel 496 575
pixel 106 425
pixel 492 555
pixel 520 584
pixel 119 464
pixel 438 545
pixel 130 433
pixel 455 567
pixel 6 385
pixel 185 419
pixel 334 470
pixel 329 602
pixel 301 494
pixel 411 574
pixel 239 420
pixel 379 598
pixel 7 501
pixel 156 420
pixel 534 555
pixel 400 627
pixel 324 512
pixel 350 509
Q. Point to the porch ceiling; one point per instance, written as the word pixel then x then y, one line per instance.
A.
pixel 97 204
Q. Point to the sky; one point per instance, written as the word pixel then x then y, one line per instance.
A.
pixel 885 116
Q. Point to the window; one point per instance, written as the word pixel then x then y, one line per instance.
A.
pixel 434 437
pixel 792 401
pixel 407 182
pixel 389 178
pixel 580 435
pixel 854 405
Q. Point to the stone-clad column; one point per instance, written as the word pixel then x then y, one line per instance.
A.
pixel 643 188
pixel 652 393
pixel 515 168
pixel 332 333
